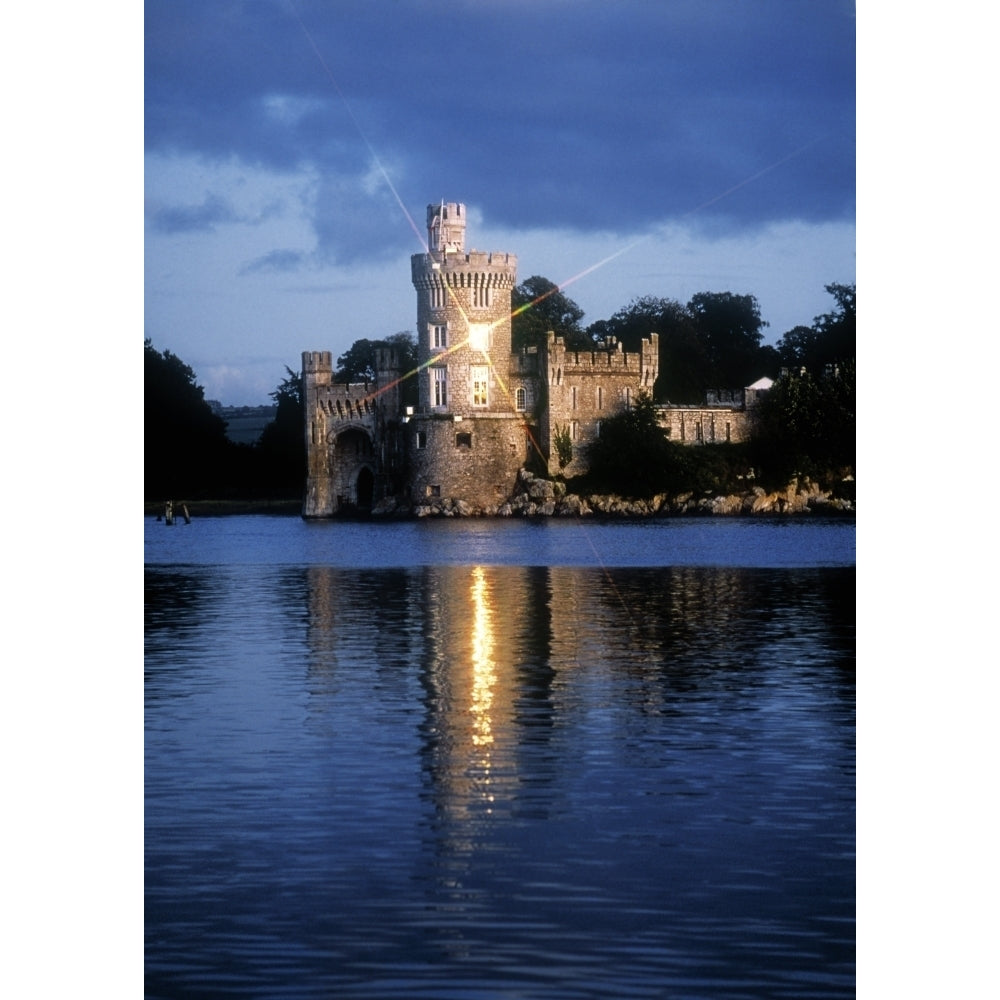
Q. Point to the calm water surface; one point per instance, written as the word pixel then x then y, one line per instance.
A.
pixel 482 759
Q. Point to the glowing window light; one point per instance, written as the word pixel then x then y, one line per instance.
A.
pixel 479 336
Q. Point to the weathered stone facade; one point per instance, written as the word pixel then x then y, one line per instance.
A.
pixel 483 412
pixel 726 417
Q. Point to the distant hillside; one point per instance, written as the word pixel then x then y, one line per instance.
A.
pixel 244 424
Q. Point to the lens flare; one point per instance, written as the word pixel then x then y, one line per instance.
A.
pixel 566 283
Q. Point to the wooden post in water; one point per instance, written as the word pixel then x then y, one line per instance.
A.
pixel 168 514
pixel 184 511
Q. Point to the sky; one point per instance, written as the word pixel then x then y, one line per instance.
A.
pixel 619 149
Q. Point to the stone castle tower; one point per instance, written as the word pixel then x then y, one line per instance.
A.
pixel 467 439
pixel 482 414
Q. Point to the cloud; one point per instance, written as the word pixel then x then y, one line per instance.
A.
pixel 276 262
pixel 588 116
pixel 292 148
pixel 192 218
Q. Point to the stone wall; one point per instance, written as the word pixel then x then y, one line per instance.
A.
pixel 694 425
pixel 473 460
pixel 585 387
pixel 498 412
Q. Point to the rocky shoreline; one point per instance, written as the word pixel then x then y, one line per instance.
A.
pixel 538 497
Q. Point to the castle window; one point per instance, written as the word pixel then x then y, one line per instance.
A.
pixel 574 427
pixel 463 440
pixel 439 336
pixel 727 430
pixel 481 296
pixel 479 336
pixel 574 397
pixel 480 385
pixel 439 386
pixel 600 398
pixel 433 491
pixel 628 398
pixel 421 439
pixel 520 399
pixel 437 297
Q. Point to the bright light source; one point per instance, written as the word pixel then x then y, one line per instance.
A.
pixel 479 336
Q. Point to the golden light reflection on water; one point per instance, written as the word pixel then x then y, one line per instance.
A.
pixel 484 675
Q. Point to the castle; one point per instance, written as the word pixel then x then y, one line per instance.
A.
pixel 483 412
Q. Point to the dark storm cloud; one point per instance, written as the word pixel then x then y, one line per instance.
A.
pixel 200 218
pixel 587 115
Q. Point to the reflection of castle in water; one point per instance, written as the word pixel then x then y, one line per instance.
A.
pixel 503 658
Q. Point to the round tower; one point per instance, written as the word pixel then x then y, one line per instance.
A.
pixel 464 357
pixel 463 319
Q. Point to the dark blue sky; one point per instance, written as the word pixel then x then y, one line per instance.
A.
pixel 292 147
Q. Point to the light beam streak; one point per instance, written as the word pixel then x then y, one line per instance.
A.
pixel 357 125
pixel 566 283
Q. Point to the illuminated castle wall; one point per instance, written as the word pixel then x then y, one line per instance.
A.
pixel 483 413
pixel 467 439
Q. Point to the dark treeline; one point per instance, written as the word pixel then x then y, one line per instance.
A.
pixel 188 454
pixel 713 341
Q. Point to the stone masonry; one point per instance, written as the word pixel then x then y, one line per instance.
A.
pixel 483 412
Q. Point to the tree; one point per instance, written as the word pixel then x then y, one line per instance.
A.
pixel 830 340
pixel 282 446
pixel 730 329
pixel 838 329
pixel 632 454
pixel 806 424
pixel 684 364
pixel 187 453
pixel 538 306
pixel 800 348
pixel 357 363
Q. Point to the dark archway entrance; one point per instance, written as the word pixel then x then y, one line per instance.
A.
pixel 366 488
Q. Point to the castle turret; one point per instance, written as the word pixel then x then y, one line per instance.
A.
pixel 463 319
pixel 317 378
pixel 463 351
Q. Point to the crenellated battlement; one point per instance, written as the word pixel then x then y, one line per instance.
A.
pixel 317 362
pixel 431 270
pixel 604 361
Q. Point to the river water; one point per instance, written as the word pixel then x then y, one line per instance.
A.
pixel 500 759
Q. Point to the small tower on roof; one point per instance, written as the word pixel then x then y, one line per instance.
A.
pixel 446 227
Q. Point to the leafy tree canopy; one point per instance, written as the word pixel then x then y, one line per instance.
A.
pixel 714 341
pixel 830 340
pixel 632 454
pixel 730 329
pixel 806 424
pixel 281 451
pixel 538 306
pixel 359 363
pixel 186 447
